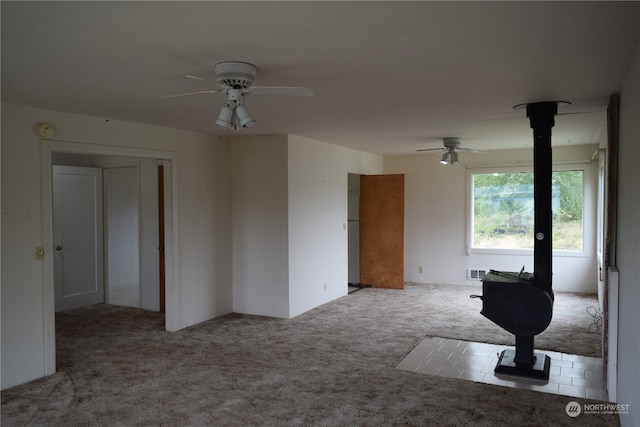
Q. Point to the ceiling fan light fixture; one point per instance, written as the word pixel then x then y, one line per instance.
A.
pixel 235 79
pixel 454 158
pixel 445 158
pixel 225 118
pixel 244 118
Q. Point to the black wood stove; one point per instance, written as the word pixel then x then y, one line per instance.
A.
pixel 520 302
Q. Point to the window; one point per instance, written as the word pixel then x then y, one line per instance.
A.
pixel 502 213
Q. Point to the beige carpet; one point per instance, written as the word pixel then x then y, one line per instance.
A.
pixel 332 366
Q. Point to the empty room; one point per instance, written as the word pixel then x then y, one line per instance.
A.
pixel 320 213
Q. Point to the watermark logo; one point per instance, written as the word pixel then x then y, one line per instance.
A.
pixel 573 409
pixel 606 408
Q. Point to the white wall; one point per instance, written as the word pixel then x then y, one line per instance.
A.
pixel 260 226
pixel 318 193
pixel 436 220
pixel 202 234
pixel 628 245
pixel 289 222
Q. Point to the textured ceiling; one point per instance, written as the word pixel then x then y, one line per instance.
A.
pixel 388 77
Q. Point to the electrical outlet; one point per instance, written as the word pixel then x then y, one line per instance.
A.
pixel 325 286
pixel 420 269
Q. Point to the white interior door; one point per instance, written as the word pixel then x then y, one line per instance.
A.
pixel 77 237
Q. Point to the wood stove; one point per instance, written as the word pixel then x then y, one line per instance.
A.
pixel 520 302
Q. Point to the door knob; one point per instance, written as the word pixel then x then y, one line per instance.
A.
pixel 58 248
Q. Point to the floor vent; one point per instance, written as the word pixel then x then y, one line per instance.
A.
pixel 476 273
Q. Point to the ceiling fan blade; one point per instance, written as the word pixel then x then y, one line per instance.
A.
pixel 442 150
pixel 193 93
pixel 580 112
pixel 473 150
pixel 279 90
pixel 189 76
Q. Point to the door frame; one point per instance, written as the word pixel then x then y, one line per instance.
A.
pixel 168 158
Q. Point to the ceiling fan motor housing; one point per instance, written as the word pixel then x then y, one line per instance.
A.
pixel 235 74
pixel 451 142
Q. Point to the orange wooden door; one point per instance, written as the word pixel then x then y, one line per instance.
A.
pixel 382 231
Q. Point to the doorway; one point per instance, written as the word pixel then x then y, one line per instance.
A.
pixel 129 211
pixel 50 149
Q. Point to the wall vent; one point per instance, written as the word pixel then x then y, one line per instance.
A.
pixel 476 273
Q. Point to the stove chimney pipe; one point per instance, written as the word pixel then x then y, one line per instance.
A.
pixel 541 116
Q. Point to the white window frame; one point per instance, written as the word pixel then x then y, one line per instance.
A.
pixel 471 171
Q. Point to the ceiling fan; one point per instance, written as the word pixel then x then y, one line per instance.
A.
pixel 236 79
pixel 450 150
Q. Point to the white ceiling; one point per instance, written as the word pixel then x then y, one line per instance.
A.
pixel 388 77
